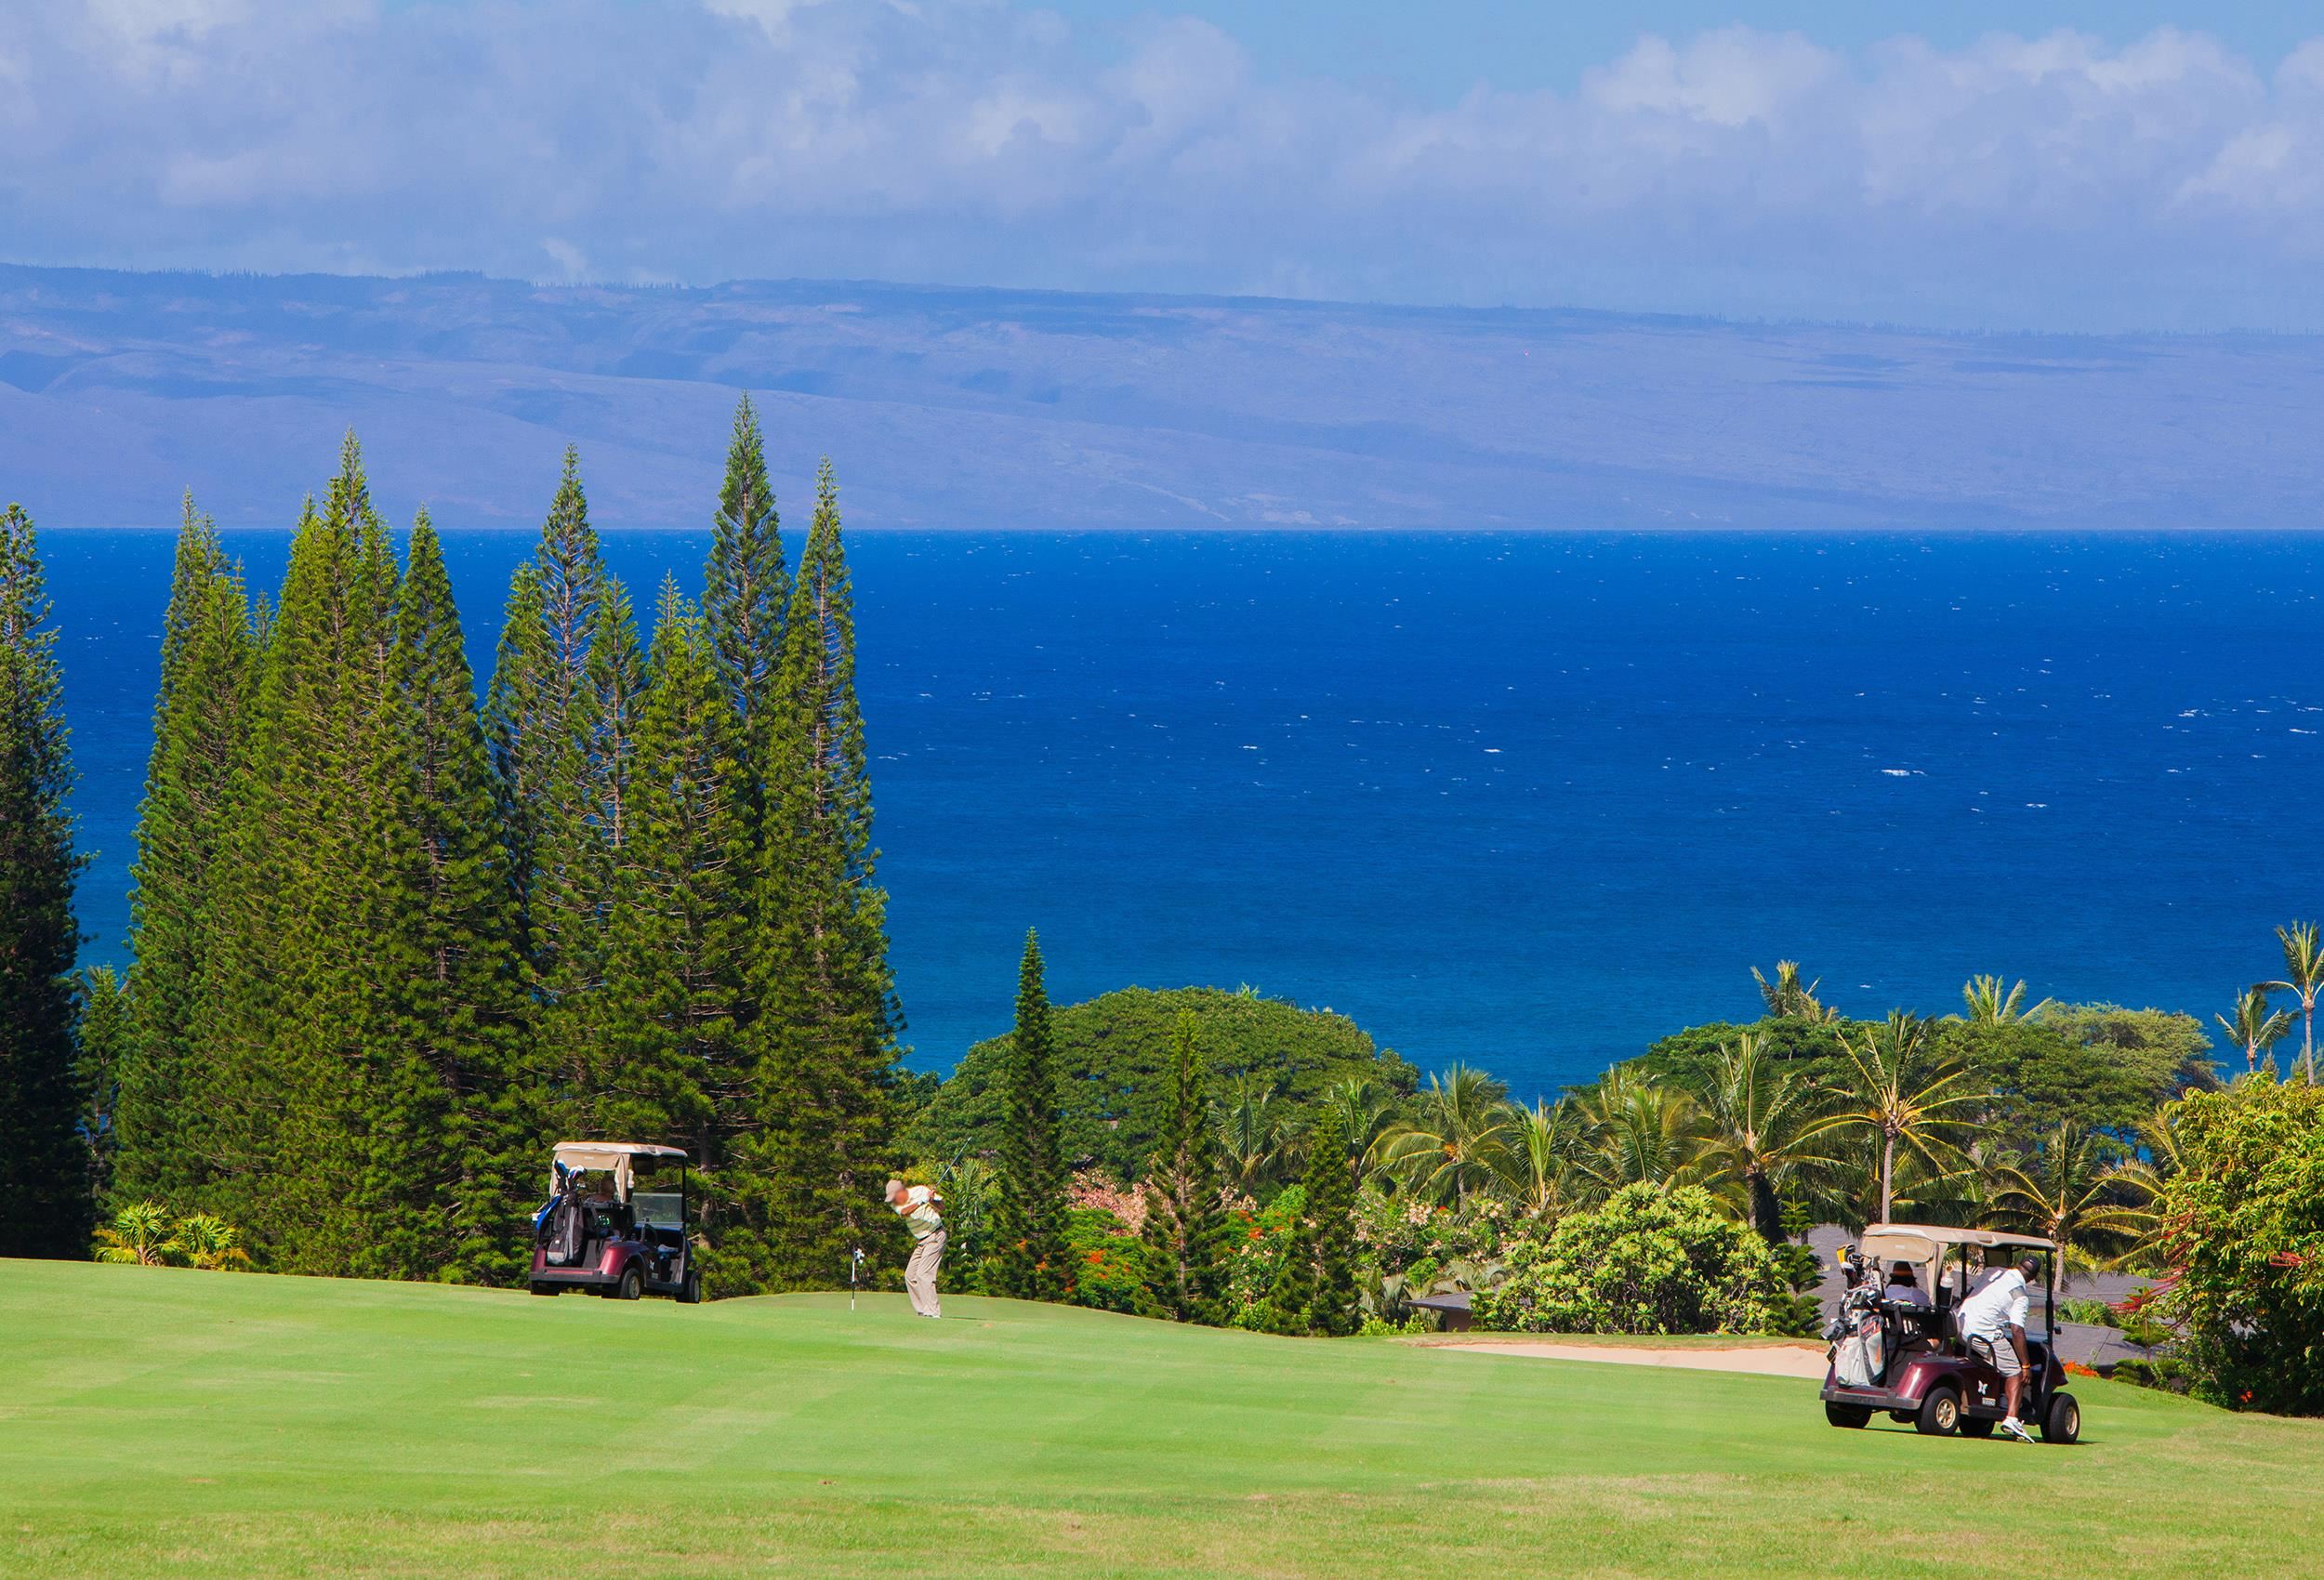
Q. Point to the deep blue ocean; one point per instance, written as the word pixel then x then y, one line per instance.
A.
pixel 1527 801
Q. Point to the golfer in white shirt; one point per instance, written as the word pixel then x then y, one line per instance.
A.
pixel 918 1205
pixel 1996 1315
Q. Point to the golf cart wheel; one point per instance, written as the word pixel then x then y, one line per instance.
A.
pixel 689 1292
pixel 1841 1415
pixel 1940 1414
pixel 2063 1422
pixel 632 1286
pixel 1978 1426
pixel 544 1288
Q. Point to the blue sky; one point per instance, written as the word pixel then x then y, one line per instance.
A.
pixel 2070 167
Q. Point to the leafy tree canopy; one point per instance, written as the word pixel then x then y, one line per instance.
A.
pixel 1812 1047
pixel 2100 1066
pixel 1113 1062
pixel 2244 1233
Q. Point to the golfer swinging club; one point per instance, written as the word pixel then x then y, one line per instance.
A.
pixel 917 1205
pixel 1993 1322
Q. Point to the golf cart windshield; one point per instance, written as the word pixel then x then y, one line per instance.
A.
pixel 659 1209
pixel 657 1193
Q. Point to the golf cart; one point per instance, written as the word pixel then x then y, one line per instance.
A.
pixel 609 1231
pixel 1911 1360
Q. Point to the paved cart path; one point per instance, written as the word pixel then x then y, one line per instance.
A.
pixel 1777 1361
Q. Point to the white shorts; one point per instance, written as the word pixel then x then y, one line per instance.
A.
pixel 1999 1353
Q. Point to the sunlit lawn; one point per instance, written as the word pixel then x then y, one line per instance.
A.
pixel 160 1422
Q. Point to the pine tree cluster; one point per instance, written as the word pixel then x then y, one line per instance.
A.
pixel 389 945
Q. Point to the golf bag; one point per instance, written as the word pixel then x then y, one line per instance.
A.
pixel 558 1226
pixel 1858 1349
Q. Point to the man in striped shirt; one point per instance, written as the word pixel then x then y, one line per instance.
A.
pixel 918 1206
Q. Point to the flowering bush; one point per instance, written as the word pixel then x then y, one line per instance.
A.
pixel 1648 1261
pixel 1105 1265
pixel 1265 1235
pixel 1097 1191
pixel 1407 1248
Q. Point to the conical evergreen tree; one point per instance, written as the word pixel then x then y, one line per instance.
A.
pixel 676 1071
pixel 208 670
pixel 747 590
pixel 746 586
pixel 313 909
pixel 559 717
pixel 1314 1293
pixel 825 1038
pixel 524 740
pixel 1332 1308
pixel 44 1169
pixel 102 1038
pixel 199 562
pixel 453 1132
pixel 1188 1234
pixel 1029 1211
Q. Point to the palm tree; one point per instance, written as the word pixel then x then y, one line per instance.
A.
pixel 1449 1146
pixel 1761 1117
pixel 2304 966
pixel 1898 1091
pixel 2069 1192
pixel 209 1243
pixel 2258 1026
pixel 1645 1132
pixel 138 1234
pixel 1365 1116
pixel 1251 1140
pixel 2146 1175
pixel 1785 995
pixel 1991 1004
pixel 1533 1168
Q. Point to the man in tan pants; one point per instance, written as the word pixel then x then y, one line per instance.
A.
pixel 918 1205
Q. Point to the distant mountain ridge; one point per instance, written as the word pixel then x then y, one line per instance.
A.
pixel 991 409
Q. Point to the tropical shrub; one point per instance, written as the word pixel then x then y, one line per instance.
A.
pixel 1800 1312
pixel 1105 1264
pixel 1399 1234
pixel 138 1234
pixel 1648 1261
pixel 2161 1372
pixel 2243 1229
pixel 1266 1237
pixel 143 1234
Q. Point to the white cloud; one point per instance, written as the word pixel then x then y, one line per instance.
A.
pixel 2051 180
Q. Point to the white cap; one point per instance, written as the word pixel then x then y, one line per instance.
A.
pixel 892 1187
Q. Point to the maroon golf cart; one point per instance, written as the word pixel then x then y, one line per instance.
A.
pixel 1906 1357
pixel 615 1223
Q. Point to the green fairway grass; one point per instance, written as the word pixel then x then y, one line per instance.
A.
pixel 159 1422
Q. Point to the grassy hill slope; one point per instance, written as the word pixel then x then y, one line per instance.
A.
pixel 162 1422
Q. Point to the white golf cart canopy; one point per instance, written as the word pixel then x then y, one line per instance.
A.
pixel 1925 1246
pixel 612 1157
